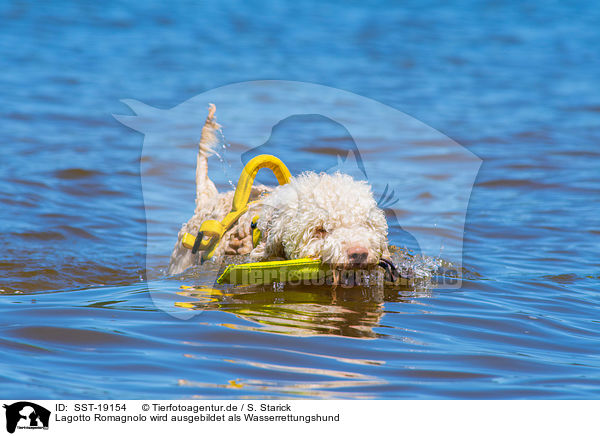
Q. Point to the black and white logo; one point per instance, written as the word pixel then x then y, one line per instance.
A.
pixel 26 415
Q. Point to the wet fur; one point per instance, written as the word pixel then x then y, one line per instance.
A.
pixel 315 215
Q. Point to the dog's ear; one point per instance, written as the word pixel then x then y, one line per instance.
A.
pixel 275 250
pixel 267 249
pixel 272 231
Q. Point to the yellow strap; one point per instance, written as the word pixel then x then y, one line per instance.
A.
pixel 255 232
pixel 212 230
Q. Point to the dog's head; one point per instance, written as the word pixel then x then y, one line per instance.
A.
pixel 327 216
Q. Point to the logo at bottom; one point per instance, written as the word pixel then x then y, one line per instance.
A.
pixel 26 415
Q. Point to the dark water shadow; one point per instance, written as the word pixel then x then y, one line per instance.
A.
pixel 300 309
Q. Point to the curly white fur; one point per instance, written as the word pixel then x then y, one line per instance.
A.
pixel 325 216
pixel 322 216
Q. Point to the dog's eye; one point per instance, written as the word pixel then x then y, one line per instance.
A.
pixel 320 232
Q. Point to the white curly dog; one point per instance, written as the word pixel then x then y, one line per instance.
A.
pixel 331 217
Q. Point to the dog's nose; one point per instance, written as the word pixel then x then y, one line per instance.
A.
pixel 357 255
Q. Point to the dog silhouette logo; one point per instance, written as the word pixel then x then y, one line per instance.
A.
pixel 26 415
pixel 312 127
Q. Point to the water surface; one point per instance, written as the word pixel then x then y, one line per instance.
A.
pixel 516 84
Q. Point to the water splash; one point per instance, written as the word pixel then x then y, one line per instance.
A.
pixel 223 160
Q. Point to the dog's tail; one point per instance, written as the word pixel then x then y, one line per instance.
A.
pixel 208 141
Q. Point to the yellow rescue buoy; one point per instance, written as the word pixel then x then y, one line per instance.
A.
pixel 278 271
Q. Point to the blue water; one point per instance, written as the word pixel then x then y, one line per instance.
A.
pixel 516 84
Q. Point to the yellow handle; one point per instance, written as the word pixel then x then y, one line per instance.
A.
pixel 211 230
pixel 244 186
